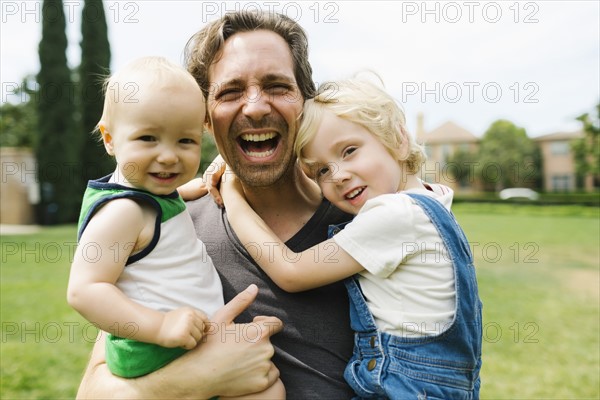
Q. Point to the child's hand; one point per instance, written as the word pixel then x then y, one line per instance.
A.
pixel 209 183
pixel 212 178
pixel 183 327
pixel 193 190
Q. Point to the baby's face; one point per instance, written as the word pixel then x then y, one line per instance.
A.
pixel 156 135
pixel 352 165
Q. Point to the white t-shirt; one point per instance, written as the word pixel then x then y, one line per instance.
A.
pixel 409 278
pixel 178 272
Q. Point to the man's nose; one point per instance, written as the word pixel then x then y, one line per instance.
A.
pixel 256 103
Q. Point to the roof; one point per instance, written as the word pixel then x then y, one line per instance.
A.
pixel 560 136
pixel 448 132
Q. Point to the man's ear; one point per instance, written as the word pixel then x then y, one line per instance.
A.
pixel 106 138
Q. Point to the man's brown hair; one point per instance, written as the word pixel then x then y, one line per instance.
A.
pixel 203 48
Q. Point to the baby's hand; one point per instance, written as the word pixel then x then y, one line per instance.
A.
pixel 183 327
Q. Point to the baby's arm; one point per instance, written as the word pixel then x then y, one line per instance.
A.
pixel 320 265
pixel 111 236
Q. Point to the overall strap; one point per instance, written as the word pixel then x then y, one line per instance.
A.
pixel 468 305
pixel 446 224
pixel 361 319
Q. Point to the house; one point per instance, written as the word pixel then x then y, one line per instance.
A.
pixel 18 188
pixel 559 162
pixel 442 142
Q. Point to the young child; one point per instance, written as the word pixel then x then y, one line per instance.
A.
pixel 139 272
pixel 414 301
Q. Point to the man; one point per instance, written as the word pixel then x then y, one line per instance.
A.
pixel 254 70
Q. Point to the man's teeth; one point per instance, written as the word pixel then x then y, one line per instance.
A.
pixel 251 137
pixel 354 193
pixel 257 150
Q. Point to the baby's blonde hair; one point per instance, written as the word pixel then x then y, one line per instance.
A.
pixel 368 105
pixel 122 87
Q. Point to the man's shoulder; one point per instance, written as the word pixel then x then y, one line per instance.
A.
pixel 315 230
pixel 201 206
pixel 330 214
pixel 204 213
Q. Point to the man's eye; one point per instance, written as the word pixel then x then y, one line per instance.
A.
pixel 278 88
pixel 229 94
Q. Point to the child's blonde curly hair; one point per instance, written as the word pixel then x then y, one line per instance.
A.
pixel 368 105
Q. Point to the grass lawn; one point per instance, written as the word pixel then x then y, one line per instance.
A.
pixel 45 344
pixel 538 270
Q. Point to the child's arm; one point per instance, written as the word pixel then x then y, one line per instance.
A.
pixel 108 240
pixel 320 265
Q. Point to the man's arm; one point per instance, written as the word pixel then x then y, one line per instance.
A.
pixel 226 363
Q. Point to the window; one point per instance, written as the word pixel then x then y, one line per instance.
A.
pixel 560 148
pixel 561 183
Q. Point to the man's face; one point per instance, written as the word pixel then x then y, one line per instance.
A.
pixel 254 104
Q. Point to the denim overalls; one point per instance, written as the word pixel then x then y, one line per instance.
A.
pixel 444 366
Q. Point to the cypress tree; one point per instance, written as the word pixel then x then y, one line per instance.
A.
pixel 56 149
pixel 95 66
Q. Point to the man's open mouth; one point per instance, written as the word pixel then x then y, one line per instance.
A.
pixel 259 145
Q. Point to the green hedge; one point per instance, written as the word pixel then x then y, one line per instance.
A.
pixel 585 199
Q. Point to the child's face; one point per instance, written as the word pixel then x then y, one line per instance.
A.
pixel 156 136
pixel 353 166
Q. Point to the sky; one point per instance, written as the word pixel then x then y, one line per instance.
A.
pixel 535 63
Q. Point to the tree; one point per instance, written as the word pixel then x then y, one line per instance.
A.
pixel 461 166
pixel 209 151
pixel 508 158
pixel 587 149
pixel 57 146
pixel 95 65
pixel 18 122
